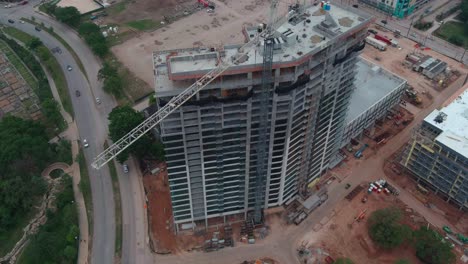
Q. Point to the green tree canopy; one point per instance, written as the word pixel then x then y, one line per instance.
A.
pixel 385 230
pixel 430 248
pixel 68 15
pixel 343 261
pixel 34 43
pixel 402 261
pixel 122 120
pixel 24 153
pixel 93 36
pixel 464 11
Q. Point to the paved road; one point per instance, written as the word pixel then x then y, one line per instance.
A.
pixel 91 123
pixel 437 44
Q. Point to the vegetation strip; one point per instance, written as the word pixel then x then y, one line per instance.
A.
pixel 61 40
pixel 118 206
pixel 49 61
pixel 85 188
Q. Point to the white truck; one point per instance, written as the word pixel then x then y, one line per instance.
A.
pixel 376 43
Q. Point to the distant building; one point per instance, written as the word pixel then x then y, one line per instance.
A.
pixel 437 154
pixel 397 8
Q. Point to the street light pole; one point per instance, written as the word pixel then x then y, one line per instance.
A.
pixel 407 34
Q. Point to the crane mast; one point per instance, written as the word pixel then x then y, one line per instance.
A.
pixel 265 93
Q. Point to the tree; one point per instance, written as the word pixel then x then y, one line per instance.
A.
pixel 113 85
pixel 402 261
pixel 107 71
pixel 343 261
pixel 93 36
pixel 68 15
pixel 51 110
pixel 430 248
pixel 464 11
pixel 70 253
pixel 73 234
pixel 122 119
pixel 152 99
pixel 385 230
pixel 34 43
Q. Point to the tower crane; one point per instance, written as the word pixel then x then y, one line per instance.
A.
pixel 177 101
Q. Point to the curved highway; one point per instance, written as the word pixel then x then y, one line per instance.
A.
pixel 92 124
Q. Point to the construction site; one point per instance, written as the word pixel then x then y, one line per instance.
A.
pixel 211 196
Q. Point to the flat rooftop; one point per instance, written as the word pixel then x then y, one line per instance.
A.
pixel 301 34
pixel 373 84
pixel 453 121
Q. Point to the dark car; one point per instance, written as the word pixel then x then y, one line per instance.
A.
pixel 372 31
pixel 384 22
pixel 77 93
pixel 355 6
pixel 11 21
pixel 37 28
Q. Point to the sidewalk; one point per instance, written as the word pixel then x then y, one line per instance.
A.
pixel 72 134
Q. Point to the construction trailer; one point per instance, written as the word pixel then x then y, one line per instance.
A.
pixel 380 45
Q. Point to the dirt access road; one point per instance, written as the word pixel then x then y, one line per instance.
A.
pixel 281 244
pixel 222 27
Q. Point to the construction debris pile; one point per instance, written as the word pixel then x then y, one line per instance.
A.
pixel 309 254
pixel 216 243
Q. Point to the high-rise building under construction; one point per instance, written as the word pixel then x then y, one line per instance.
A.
pixel 210 141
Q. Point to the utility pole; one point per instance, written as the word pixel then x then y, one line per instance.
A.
pixel 407 34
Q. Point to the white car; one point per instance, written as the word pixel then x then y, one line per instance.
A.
pixel 98 100
pixel 69 68
pixel 85 143
pixel 125 168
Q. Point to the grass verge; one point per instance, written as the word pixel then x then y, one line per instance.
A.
pixel 134 88
pixel 85 188
pixel 453 32
pixel 144 24
pixel 51 64
pixel 62 41
pixel 117 8
pixel 118 206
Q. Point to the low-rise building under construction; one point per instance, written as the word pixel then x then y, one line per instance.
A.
pixel 437 154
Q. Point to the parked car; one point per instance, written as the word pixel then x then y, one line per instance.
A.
pixel 37 28
pixel 11 21
pixel 77 93
pixel 372 31
pixel 125 168
pixel 85 143
pixel 98 100
pixel 23 2
pixel 69 68
pixel 384 22
pixel 355 6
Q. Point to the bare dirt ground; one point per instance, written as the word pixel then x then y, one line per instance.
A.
pixel 393 60
pixel 341 237
pixel 222 27
pixel 84 6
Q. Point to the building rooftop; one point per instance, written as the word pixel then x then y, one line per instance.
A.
pixel 373 84
pixel 453 121
pixel 301 34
